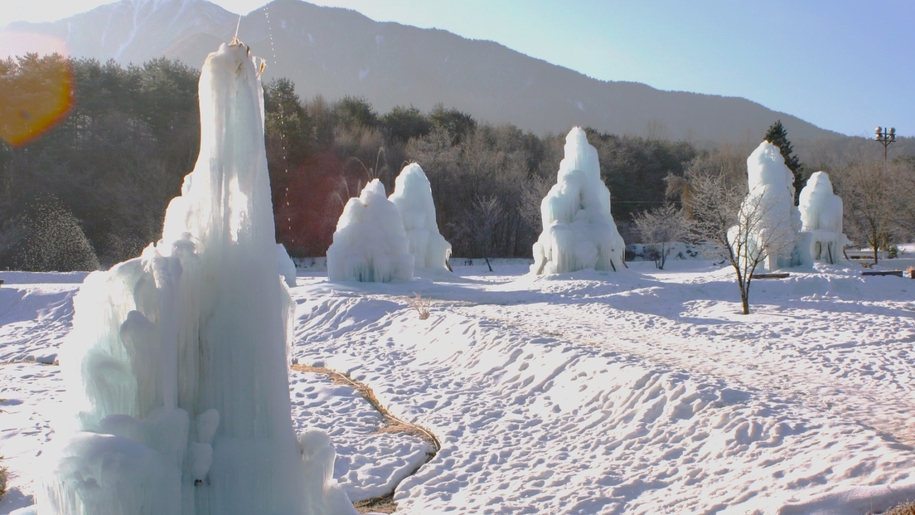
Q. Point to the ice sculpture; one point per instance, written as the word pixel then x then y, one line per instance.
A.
pixel 413 198
pixel 821 219
pixel 578 230
pixel 286 265
pixel 768 216
pixel 176 366
pixel 370 244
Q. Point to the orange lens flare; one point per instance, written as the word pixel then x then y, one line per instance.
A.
pixel 33 98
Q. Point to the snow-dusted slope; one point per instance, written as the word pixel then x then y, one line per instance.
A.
pixel 136 30
pixel 337 52
pixel 634 392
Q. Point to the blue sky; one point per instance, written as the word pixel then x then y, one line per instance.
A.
pixel 839 64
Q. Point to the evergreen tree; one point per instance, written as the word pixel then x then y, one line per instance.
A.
pixel 403 123
pixel 289 128
pixel 778 136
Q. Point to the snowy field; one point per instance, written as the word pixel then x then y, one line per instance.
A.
pixel 639 392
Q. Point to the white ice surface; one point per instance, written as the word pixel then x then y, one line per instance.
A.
pixel 35 314
pixel 821 219
pixel 286 265
pixel 638 392
pixel 177 400
pixel 413 198
pixel 370 244
pixel 771 218
pixel 578 229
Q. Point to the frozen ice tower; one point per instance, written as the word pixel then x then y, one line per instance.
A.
pixel 370 244
pixel 176 366
pixel 413 198
pixel 821 219
pixel 768 211
pixel 578 230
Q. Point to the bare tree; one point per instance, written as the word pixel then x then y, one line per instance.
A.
pixel 905 192
pixel 728 161
pixel 660 227
pixel 876 201
pixel 532 193
pixel 741 226
pixel 479 225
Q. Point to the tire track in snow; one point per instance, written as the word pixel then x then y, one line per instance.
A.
pixel 751 364
pixel 533 424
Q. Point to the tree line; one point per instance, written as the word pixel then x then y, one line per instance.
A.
pixel 100 179
pixel 108 169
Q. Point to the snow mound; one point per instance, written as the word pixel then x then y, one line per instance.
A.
pixel 370 243
pixel 821 219
pixel 578 229
pixel 413 198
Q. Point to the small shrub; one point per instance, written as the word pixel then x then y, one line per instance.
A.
pixel 902 509
pixel 2 480
pixel 420 304
pixel 45 236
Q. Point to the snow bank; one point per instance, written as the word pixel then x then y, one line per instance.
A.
pixel 688 407
pixel 370 243
pixel 854 501
pixel 578 230
pixel 769 220
pixel 821 219
pixel 413 198
pixel 176 366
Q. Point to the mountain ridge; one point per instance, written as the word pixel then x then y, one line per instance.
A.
pixel 337 52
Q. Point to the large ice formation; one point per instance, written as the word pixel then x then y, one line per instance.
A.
pixel 413 198
pixel 370 244
pixel 821 219
pixel 578 230
pixel 176 366
pixel 769 220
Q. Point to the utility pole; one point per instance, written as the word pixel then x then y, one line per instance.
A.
pixel 886 137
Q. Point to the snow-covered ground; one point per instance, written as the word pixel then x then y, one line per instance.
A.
pixel 641 391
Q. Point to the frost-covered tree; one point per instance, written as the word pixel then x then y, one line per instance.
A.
pixel 747 227
pixel 728 162
pixel 660 227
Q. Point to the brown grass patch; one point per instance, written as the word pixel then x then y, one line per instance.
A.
pixel 903 509
pixel 3 479
pixel 384 504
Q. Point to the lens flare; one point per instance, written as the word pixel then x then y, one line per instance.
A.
pixel 35 94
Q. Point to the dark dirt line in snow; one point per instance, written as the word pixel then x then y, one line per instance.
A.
pixel 29 362
pixel 392 424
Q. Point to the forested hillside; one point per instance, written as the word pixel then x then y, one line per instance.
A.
pixel 92 190
pixel 338 52
pixel 113 163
